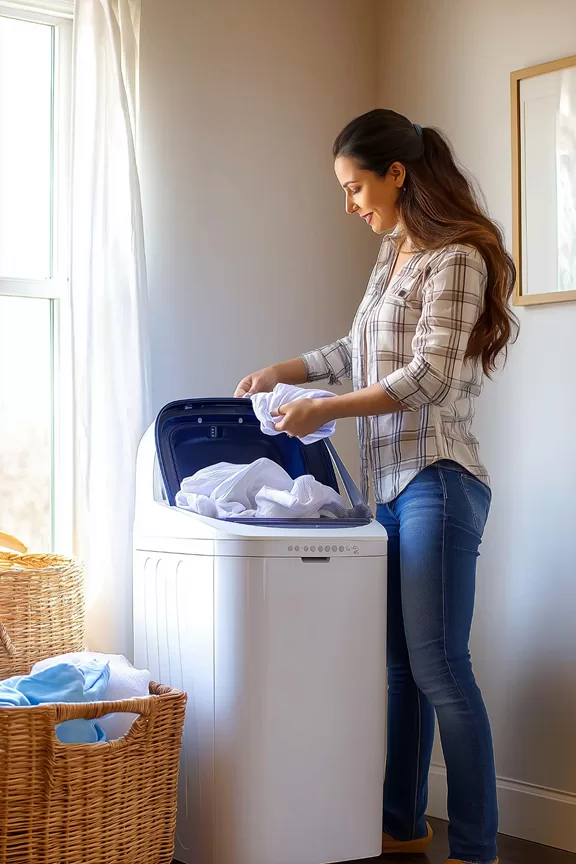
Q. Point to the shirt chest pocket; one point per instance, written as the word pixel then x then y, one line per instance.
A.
pixel 391 323
pixel 406 292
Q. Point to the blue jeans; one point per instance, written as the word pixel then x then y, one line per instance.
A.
pixel 434 530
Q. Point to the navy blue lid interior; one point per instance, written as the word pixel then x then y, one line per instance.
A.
pixel 194 434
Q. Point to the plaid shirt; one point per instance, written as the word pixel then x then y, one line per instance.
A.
pixel 410 335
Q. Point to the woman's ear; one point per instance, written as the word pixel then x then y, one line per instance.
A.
pixel 398 174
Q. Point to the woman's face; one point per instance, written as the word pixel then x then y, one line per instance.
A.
pixel 372 197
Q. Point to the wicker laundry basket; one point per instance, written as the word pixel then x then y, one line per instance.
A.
pixel 107 803
pixel 41 609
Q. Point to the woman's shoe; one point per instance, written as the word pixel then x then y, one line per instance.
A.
pixel 458 861
pixel 409 847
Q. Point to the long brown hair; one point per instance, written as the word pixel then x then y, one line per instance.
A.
pixel 439 206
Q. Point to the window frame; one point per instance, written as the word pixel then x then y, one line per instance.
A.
pixel 56 288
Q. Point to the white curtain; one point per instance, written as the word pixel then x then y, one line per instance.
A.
pixel 109 310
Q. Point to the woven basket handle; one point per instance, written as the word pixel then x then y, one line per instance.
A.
pixel 6 641
pixel 144 705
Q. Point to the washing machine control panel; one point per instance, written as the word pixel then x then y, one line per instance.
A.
pixel 323 549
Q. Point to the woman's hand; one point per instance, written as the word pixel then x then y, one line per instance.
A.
pixel 263 381
pixel 303 416
pixel 290 372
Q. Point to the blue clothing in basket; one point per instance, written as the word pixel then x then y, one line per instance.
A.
pixel 61 683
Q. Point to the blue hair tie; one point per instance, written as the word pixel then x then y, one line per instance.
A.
pixel 417 128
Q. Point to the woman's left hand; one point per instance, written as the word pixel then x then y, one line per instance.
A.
pixel 302 417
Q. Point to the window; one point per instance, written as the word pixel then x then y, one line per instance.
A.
pixel 35 60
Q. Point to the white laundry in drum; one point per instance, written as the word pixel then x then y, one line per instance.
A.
pixel 262 489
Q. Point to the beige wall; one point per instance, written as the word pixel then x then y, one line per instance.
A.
pixel 447 63
pixel 251 257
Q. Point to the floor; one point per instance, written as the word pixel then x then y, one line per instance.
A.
pixel 512 851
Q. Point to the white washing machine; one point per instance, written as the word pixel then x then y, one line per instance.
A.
pixel 276 629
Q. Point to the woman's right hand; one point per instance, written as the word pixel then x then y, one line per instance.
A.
pixel 263 381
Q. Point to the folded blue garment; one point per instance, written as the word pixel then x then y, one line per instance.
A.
pixel 61 683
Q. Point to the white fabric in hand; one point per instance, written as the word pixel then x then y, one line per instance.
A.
pixel 265 404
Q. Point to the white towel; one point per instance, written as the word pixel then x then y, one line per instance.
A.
pixel 262 489
pixel 126 682
pixel 265 404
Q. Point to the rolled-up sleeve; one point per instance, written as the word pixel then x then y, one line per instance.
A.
pixel 332 363
pixel 452 302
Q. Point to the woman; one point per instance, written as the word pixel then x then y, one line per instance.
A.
pixel 434 320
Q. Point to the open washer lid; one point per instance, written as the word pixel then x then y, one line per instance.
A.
pixel 196 433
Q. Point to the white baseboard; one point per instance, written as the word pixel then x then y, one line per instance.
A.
pixel 530 812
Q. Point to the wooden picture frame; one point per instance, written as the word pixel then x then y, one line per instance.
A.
pixel 533 105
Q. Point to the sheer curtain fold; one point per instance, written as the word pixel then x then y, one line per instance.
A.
pixel 111 382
